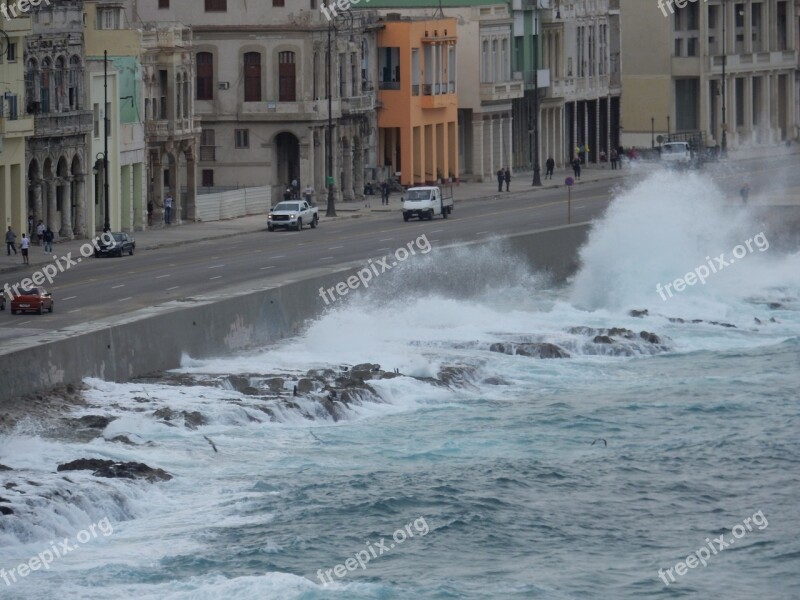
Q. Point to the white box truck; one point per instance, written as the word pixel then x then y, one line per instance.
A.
pixel 425 202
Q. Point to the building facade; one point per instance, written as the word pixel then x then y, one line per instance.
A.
pixel 56 154
pixel 15 127
pixel 418 114
pixel 261 89
pixel 677 86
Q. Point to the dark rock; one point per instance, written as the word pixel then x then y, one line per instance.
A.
pixel 167 414
pixel 193 419
pixel 757 320
pixel 5 468
pixel 602 339
pixel 111 469
pixel 389 375
pixel 775 305
pixel 305 385
pixel 275 384
pixel 501 348
pixel 495 381
pixel 639 313
pixel 366 367
pixel 651 338
pixel 5 510
pixel 122 439
pixel 321 374
pixel 722 324
pixel 95 421
pixel 456 375
pixel 534 350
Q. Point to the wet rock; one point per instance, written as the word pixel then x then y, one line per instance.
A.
pixel 602 339
pixel 775 305
pixel 389 375
pixel 165 414
pixel 722 324
pixel 111 469
pixel 275 384
pixel 533 350
pixel 193 419
pixel 6 510
pixel 95 421
pixel 305 385
pixel 458 376
pixel 321 374
pixel 122 439
pixel 639 313
pixel 502 348
pixel 495 381
pixel 366 367
pixel 621 332
pixel 5 468
pixel 757 320
pixel 650 338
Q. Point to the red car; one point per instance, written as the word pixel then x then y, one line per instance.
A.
pixel 35 299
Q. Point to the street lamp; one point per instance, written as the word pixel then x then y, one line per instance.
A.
pixel 107 221
pixel 652 132
pixel 724 146
pixel 536 172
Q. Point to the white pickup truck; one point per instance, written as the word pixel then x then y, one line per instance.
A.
pixel 425 202
pixel 292 214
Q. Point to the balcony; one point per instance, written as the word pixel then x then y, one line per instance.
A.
pixel 164 130
pixel 542 78
pixel 779 59
pixel 438 95
pixel 358 104
pixel 63 124
pixel 502 91
pixel 167 37
pixel 302 110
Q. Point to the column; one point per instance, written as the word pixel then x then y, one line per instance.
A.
pixel 490 123
pixel 358 169
pixel 510 137
pixel 51 205
pixel 37 204
pixel 175 186
pixel 157 184
pixel 80 206
pixel 191 188
pixel 501 146
pixel 347 171
pixel 479 166
pixel 66 210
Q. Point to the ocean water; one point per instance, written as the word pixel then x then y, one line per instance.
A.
pixel 522 478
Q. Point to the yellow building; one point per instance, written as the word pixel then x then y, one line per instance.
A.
pixel 15 126
pixel 418 117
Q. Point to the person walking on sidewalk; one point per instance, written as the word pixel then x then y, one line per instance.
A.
pixel 39 233
pixel 23 247
pixel 501 177
pixel 550 164
pixel 576 167
pixel 168 209
pixel 150 209
pixel 49 236
pixel 11 238
pixel 385 193
pixel 614 156
pixel 507 178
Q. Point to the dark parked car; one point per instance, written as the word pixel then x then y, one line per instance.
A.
pixel 35 299
pixel 122 243
pixel 2 300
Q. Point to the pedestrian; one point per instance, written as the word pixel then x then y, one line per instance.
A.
pixel 582 153
pixel 507 178
pixel 295 189
pixel 614 157
pixel 576 167
pixel 23 247
pixel 49 236
pixel 287 195
pixel 385 193
pixel 168 209
pixel 39 233
pixel 745 192
pixel 150 210
pixel 550 164
pixel 501 177
pixel 30 224
pixel 633 154
pixel 11 238
pixel 308 194
pixel 620 155
pixel 586 152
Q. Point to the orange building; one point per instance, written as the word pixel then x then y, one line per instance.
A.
pixel 418 118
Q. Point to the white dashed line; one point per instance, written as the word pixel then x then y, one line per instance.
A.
pixel 174 287
pixel 24 322
pixel 379 249
pixel 162 276
pixel 278 255
pixel 386 240
pixel 335 247
pixel 213 278
pixel 114 287
pixel 74 311
pixel 327 258
pixel 70 298
pixel 123 299
pixel 265 268
pixel 437 230
pixel 216 266
pixel 481 232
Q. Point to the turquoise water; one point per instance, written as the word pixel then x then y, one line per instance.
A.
pixel 565 478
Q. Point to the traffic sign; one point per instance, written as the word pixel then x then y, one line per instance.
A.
pixel 569 181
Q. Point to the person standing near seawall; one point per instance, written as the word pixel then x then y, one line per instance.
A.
pixel 11 237
pixel 550 164
pixel 501 177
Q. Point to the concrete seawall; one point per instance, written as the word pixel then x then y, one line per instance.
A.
pixel 157 338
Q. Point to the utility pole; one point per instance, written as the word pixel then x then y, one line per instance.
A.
pixel 536 171
pixel 652 132
pixel 331 210
pixel 107 223
pixel 724 147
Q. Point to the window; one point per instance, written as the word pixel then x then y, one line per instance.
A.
pixel 109 17
pixel 252 77
pixel 389 68
pixel 163 3
pixel 205 76
pixel 96 113
pixel 11 52
pixel 286 77
pixel 216 5
pixel 208 177
pixel 277 3
pixel 44 90
pixel 687 104
pixel 242 138
pixel 208 145
pixel 12 106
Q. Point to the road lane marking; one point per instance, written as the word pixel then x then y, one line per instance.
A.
pixel 437 231
pixel 123 299
pixel 480 232
pixel 386 240
pixel 175 287
pixel 335 247
pixel 73 311
pixel 162 276
pixel 70 298
pixel 216 266
pixel 24 322
pixel 114 287
pixel 265 268
pixel 278 255
pixel 327 258
pixel 213 278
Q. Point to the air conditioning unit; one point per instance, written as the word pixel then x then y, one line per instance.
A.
pixel 224 85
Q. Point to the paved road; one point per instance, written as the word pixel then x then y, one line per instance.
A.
pixel 98 288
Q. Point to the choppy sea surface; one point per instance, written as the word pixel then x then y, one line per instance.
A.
pixel 478 472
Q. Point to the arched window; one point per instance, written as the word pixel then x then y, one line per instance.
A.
pixel 486 69
pixel 44 85
pixel 179 96
pixel 252 77
pixel 75 77
pixel 32 86
pixel 205 76
pixel 287 81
